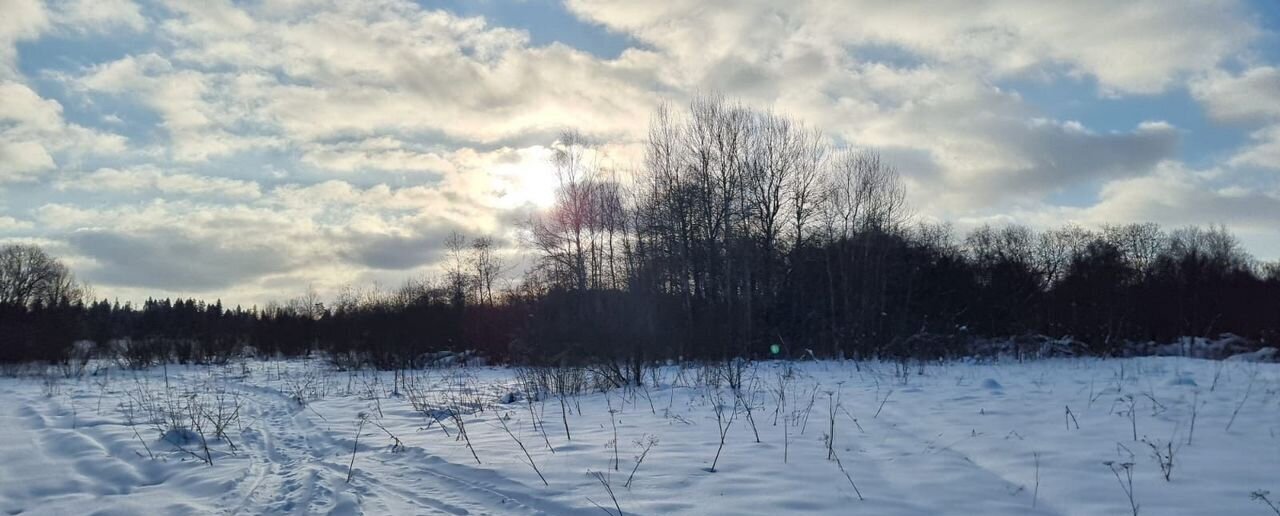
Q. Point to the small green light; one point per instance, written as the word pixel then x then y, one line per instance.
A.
pixel 775 349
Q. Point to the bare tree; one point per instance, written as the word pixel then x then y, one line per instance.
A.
pixel 562 234
pixel 864 201
pixel 28 276
pixel 1140 243
pixel 457 272
pixel 307 305
pixel 486 267
pixel 805 188
pixel 1055 249
pixel 774 157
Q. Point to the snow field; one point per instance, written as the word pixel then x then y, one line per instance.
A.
pixel 939 438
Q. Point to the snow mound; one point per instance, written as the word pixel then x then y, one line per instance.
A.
pixel 992 385
pixel 1199 347
pixel 1029 346
pixel 1267 354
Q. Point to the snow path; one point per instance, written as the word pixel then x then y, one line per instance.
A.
pixel 298 476
pixel 292 473
pixel 283 463
pixel 953 476
pixel 282 476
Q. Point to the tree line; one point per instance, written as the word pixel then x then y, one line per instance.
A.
pixel 744 233
pixel 745 229
pixel 49 321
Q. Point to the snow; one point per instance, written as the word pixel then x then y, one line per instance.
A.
pixel 962 437
pixel 1267 354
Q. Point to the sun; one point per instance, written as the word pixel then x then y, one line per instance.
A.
pixel 530 180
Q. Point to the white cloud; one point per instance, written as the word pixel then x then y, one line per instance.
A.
pixel 98 15
pixel 377 153
pixel 148 180
pixel 965 144
pixel 200 111
pixel 23 19
pixel 1137 46
pixel 1177 195
pixel 23 161
pixel 8 223
pixel 235 241
pixel 318 79
pixel 1262 151
pixel 344 69
pixel 1250 98
pixel 33 132
pixel 29 19
pixel 27 111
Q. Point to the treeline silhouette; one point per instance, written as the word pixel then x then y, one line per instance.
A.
pixel 742 234
pixel 382 333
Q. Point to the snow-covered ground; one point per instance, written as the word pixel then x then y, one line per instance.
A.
pixel 1042 437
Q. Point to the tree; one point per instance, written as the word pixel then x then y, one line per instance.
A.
pixel 486 266
pixel 28 276
pixel 457 272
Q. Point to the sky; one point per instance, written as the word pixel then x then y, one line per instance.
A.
pixel 249 151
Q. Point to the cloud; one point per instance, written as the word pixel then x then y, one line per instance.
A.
pixel 965 144
pixel 182 246
pixel 318 143
pixel 497 179
pixel 23 19
pixel 1251 96
pixel 377 153
pixel 1262 151
pixel 317 79
pixel 1169 194
pixel 8 223
pixel 29 19
pixel 23 160
pixel 173 260
pixel 98 15
pixel 326 234
pixel 398 252
pixel 200 111
pixel 1138 47
pixel 244 76
pixel 33 132
pixel 147 179
pixel 1056 154
pixel 29 114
